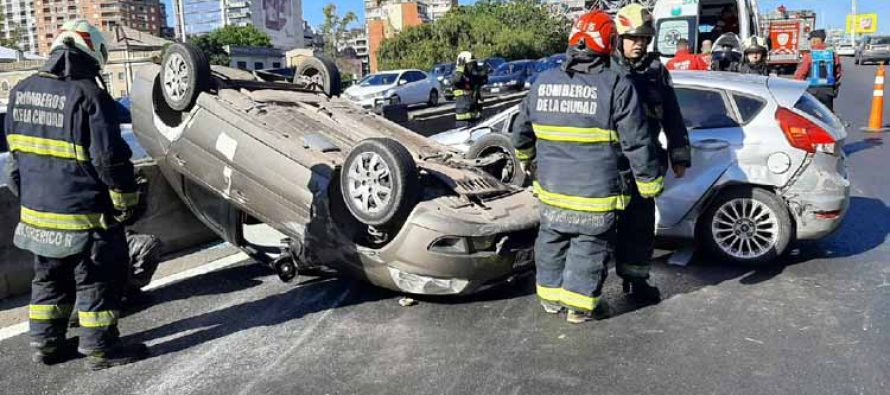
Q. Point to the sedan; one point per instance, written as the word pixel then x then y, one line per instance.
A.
pixel 331 184
pixel 768 167
pixel 875 49
pixel 395 87
pixel 509 77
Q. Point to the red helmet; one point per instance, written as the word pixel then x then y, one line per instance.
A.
pixel 597 30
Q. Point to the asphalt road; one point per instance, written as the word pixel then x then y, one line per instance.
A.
pixel 818 323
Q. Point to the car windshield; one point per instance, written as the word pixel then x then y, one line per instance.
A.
pixel 443 69
pixel 509 68
pixel 880 41
pixel 379 79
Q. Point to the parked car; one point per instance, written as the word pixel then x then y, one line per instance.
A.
pixel 348 189
pixel 874 49
pixel 768 165
pixel 509 77
pixel 395 87
pixel 845 48
pixel 545 64
pixel 442 72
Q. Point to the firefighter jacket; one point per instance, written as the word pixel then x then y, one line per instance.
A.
pixel 585 128
pixel 653 83
pixel 71 163
pixel 754 68
pixel 467 85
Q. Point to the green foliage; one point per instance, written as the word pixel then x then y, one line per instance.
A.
pixel 213 44
pixel 513 29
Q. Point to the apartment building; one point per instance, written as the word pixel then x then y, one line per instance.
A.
pixel 143 15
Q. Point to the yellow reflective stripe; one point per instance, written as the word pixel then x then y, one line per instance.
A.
pixel 97 319
pixel 467 115
pixel 123 200
pixel 525 154
pixel 459 92
pixel 578 203
pixel 49 311
pixel 47 147
pixel 577 301
pixel 548 294
pixel 651 188
pixel 55 221
pixel 574 135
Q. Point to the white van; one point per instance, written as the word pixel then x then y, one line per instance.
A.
pixel 700 20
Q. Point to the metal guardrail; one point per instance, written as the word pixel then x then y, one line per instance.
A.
pixel 448 109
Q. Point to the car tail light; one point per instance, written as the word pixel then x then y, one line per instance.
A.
pixel 804 134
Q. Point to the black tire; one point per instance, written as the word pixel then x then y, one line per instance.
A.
pixel 509 172
pixel 403 182
pixel 434 98
pixel 735 198
pixel 325 73
pixel 191 65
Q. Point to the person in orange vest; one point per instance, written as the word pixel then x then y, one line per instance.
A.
pixel 822 68
pixel 684 60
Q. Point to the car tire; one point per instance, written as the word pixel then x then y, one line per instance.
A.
pixel 323 72
pixel 185 73
pixel 746 225
pixel 510 173
pixel 395 171
pixel 434 98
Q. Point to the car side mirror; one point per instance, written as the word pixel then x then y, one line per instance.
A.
pixel 403 82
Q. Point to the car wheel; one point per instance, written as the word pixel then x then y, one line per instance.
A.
pixel 185 73
pixel 434 98
pixel 749 226
pixel 322 72
pixel 508 169
pixel 380 182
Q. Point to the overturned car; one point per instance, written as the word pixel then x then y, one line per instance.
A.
pixel 348 189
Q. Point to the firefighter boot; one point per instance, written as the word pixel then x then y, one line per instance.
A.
pixel 551 307
pixel 601 312
pixel 642 291
pixel 53 353
pixel 118 355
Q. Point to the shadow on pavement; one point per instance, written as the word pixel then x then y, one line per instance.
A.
pixel 862 145
pixel 312 296
pixel 865 228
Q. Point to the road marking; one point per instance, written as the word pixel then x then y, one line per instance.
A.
pixel 22 327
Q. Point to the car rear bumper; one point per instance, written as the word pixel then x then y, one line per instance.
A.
pixel 872 56
pixel 820 197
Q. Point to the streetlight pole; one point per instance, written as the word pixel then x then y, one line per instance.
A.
pixel 853 24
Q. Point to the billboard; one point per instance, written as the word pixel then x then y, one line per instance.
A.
pixel 862 23
pixel 282 20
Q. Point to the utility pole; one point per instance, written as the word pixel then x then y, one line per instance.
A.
pixel 853 24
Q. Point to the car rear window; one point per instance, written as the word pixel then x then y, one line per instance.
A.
pixel 811 106
pixel 880 41
pixel 714 115
pixel 748 107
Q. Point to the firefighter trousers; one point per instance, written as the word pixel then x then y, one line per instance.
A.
pixel 824 94
pixel 572 254
pixel 94 279
pixel 636 238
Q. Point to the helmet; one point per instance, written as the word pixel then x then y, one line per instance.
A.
pixel 596 31
pixel 755 44
pixel 464 57
pixel 82 35
pixel 635 20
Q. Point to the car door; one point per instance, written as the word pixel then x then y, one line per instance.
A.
pixel 715 136
pixel 417 87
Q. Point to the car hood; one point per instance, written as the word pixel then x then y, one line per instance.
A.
pixel 357 90
pixel 452 137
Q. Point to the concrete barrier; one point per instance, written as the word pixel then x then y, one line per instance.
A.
pixel 166 217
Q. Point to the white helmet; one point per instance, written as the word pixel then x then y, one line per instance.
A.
pixel 464 58
pixel 85 37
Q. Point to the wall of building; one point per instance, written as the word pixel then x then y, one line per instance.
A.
pixel 18 20
pixel 144 15
pixel 393 18
pixel 281 19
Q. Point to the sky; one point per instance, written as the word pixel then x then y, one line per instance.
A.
pixel 830 13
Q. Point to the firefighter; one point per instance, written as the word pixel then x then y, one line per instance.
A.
pixel 754 61
pixel 71 169
pixel 685 60
pixel 584 129
pixel 822 68
pixel 636 224
pixel 467 80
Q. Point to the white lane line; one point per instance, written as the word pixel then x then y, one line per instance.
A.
pixel 22 327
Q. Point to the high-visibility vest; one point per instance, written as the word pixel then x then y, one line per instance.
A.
pixel 822 68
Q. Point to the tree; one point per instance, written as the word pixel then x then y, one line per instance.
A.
pixel 513 29
pixel 214 43
pixel 334 28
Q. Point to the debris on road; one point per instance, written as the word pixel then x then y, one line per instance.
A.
pixel 407 302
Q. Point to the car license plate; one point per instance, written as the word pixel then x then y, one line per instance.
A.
pixel 495 90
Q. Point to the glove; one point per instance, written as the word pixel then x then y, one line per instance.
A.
pixel 529 168
pixel 125 205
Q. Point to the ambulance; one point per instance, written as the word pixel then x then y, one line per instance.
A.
pixel 700 20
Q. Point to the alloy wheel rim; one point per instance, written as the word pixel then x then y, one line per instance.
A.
pixel 370 183
pixel 745 228
pixel 176 77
